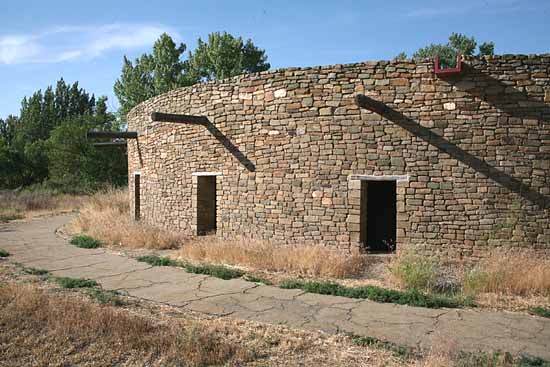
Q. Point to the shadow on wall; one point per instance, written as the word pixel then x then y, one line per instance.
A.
pixel 247 163
pixel 453 150
pixel 202 121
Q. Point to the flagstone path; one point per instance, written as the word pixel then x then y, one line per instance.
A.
pixel 35 244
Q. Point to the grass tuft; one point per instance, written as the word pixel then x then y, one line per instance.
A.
pixel 105 297
pixel 4 253
pixel 84 241
pixel 400 351
pixel 35 271
pixel 217 271
pixel 255 279
pixel 155 260
pixel 540 311
pixel 67 282
pixel 410 297
pixel 9 215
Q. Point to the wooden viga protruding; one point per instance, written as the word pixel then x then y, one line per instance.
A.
pixel 179 119
pixel 370 104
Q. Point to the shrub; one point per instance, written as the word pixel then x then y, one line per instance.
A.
pixel 84 241
pixel 67 282
pixel 410 297
pixel 414 271
pixel 4 253
pixel 521 274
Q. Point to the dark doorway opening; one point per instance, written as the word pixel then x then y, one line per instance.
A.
pixel 206 205
pixel 379 215
pixel 137 196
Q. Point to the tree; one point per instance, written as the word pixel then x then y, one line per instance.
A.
pixel 152 74
pixel 224 56
pixel 52 121
pixel 458 44
pixel 75 165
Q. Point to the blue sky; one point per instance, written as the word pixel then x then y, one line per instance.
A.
pixel 42 41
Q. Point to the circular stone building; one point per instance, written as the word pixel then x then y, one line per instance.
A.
pixel 370 156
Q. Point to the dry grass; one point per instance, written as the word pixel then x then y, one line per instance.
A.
pixel 18 205
pixel 106 217
pixel 146 333
pixel 510 274
pixel 314 261
pixel 44 330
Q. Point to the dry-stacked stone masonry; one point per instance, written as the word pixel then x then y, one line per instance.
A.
pixel 458 165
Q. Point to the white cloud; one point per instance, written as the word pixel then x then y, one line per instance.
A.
pixel 16 48
pixel 64 43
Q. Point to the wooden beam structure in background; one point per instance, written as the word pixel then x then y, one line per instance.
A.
pixel 110 144
pixel 112 134
pixel 179 119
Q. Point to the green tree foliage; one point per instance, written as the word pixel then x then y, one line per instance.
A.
pixel 224 56
pixel 152 74
pixel 50 123
pixel 458 44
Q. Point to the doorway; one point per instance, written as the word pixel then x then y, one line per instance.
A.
pixel 206 205
pixel 379 215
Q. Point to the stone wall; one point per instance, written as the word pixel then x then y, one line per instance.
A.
pixel 470 154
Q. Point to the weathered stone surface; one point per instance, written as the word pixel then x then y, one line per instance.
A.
pixel 473 146
pixel 35 242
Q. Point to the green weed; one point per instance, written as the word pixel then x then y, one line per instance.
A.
pixel 67 282
pixel 410 297
pixel 83 241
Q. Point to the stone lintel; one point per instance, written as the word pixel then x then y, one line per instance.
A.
pixel 380 177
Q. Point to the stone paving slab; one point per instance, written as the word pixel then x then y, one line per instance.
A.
pixel 35 244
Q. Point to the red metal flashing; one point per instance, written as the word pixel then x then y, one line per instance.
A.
pixel 448 71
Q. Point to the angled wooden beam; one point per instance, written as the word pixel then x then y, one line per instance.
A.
pixel 112 134
pixel 179 119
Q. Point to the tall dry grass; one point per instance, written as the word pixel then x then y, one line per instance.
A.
pixel 17 205
pixel 106 217
pixel 523 273
pixel 44 329
pixel 315 261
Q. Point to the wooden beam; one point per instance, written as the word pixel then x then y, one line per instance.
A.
pixel 110 144
pixel 370 104
pixel 179 119
pixel 112 134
